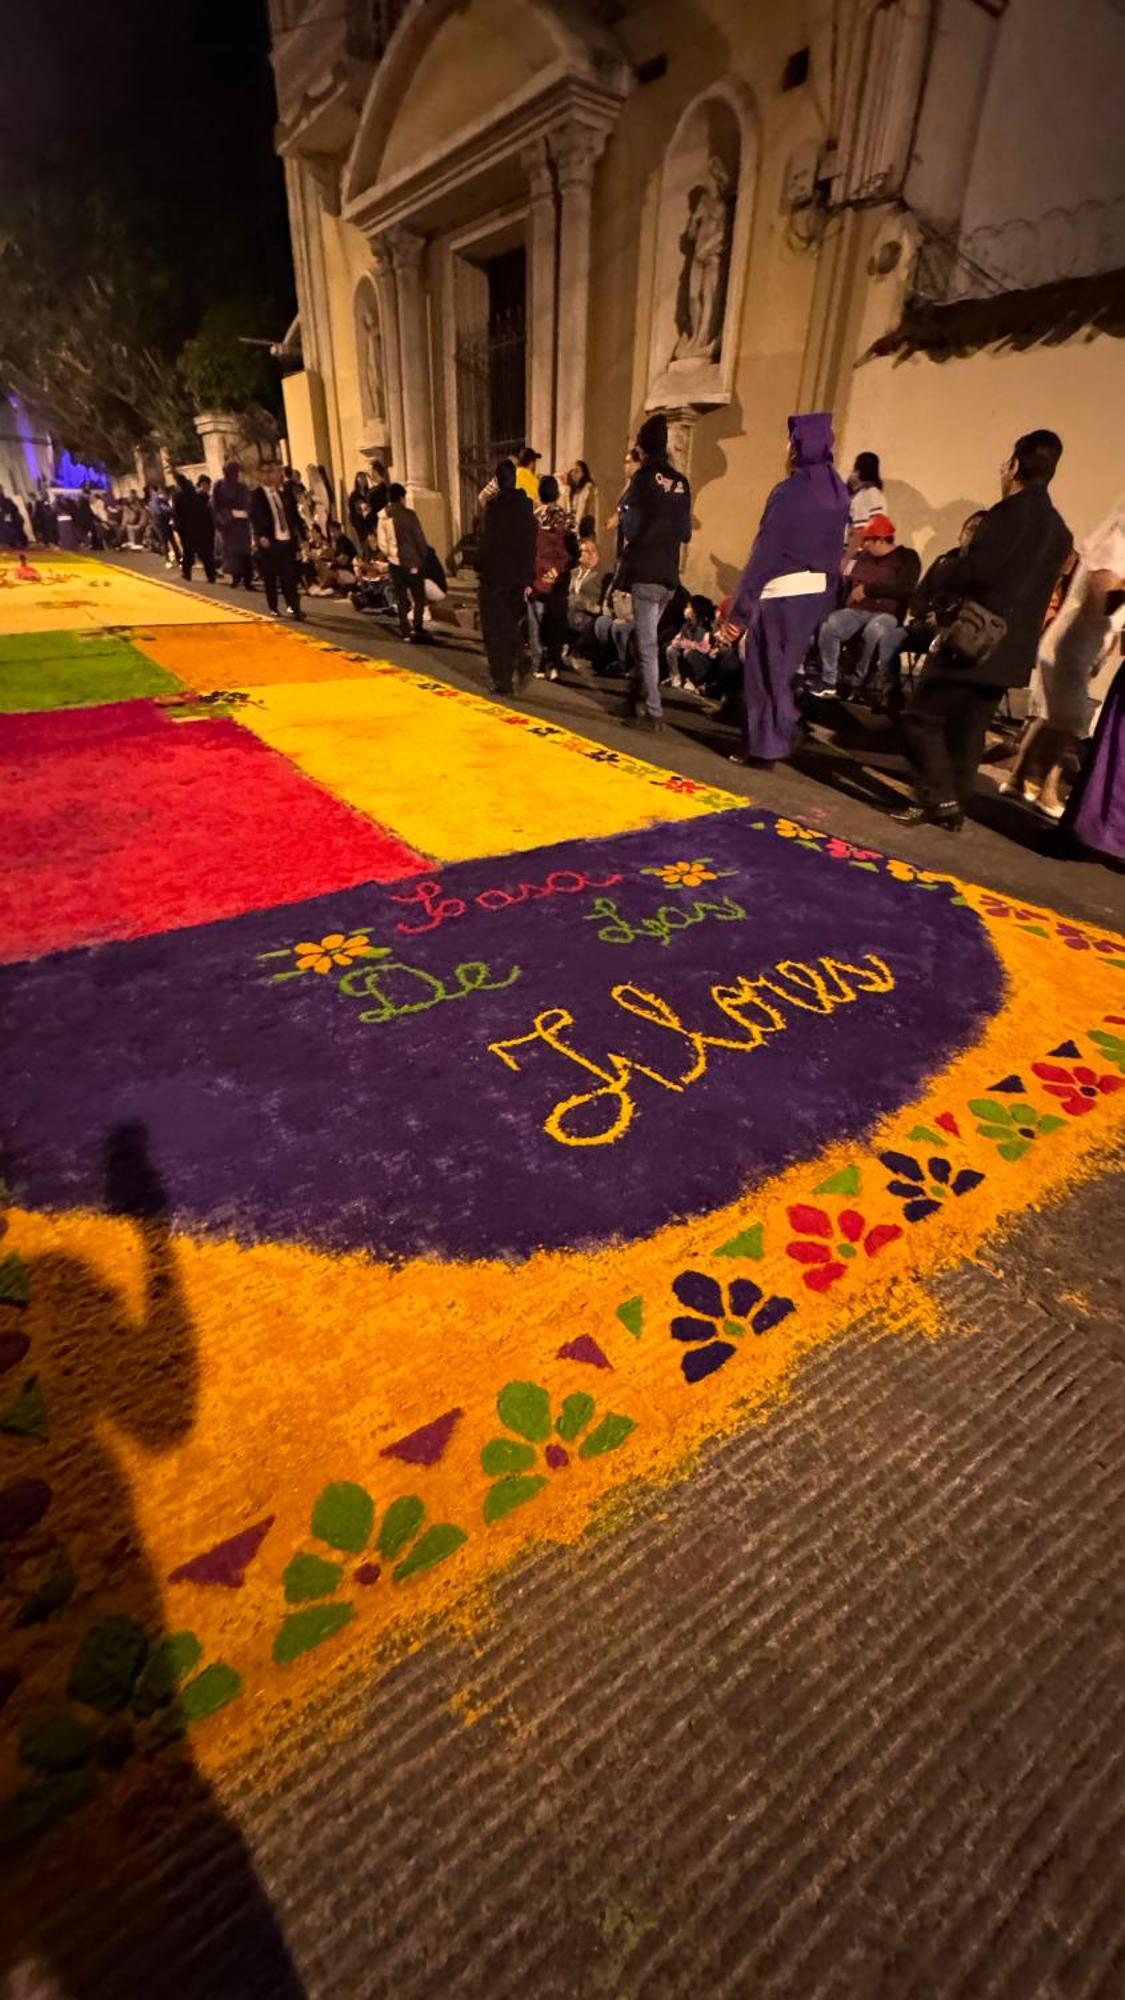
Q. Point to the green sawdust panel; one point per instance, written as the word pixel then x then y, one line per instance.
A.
pixel 41 670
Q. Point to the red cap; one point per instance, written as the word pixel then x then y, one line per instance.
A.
pixel 880 528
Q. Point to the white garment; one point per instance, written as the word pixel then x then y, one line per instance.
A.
pixel 869 501
pixel 1079 653
pixel 386 540
pixel 796 583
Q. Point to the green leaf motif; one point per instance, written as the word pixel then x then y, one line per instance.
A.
pixel 309 1576
pixel 509 1493
pixel 575 1415
pixel 606 1436
pixel 751 1243
pixel 303 1630
pixel 26 1414
pixel 212 1689
pixel 107 1664
pixel 983 1107
pixel 14 1288
pixel 57 1742
pixel 401 1523
pixel 847 1181
pixel 501 1455
pixel 42 1805
pixel 169 1664
pixel 632 1316
pixel 343 1517
pixel 526 1409
pixel 927 1133
pixel 433 1547
pixel 1050 1123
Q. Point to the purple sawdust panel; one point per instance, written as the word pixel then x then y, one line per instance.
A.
pixel 350 1094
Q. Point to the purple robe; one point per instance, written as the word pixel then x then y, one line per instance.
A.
pixel 803 528
pixel 1095 813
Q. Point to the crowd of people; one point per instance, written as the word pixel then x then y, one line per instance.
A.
pixel 829 606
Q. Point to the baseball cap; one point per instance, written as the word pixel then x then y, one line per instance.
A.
pixel 880 528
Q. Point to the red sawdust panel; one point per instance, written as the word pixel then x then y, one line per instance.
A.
pixel 119 822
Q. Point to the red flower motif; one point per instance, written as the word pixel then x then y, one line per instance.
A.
pixel 1077 1089
pixel 826 1265
pixel 1078 941
pixel 842 850
pixel 995 906
pixel 675 784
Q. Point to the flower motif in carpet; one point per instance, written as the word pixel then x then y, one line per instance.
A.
pixel 1077 1088
pixel 344 1522
pixel 923 1187
pixel 718 1317
pixel 826 1247
pixel 539 1443
pixel 335 949
pixel 1013 1128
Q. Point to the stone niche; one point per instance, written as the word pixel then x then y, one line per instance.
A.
pixel 706 197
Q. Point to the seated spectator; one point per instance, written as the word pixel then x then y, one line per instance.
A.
pixel 879 587
pixel 931 606
pixel 371 588
pixel 692 651
pixel 556 554
pixel 583 597
pixel 614 626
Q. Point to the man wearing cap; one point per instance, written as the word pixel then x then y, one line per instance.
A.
pixel 878 588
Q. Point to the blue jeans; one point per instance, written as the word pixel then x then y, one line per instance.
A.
pixel 649 600
pixel 619 630
pixel 882 635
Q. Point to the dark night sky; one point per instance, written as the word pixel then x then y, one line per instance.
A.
pixel 167 106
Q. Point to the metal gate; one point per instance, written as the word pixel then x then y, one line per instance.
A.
pixel 491 406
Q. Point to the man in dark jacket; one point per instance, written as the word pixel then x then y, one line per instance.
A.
pixel 278 534
pixel 877 590
pixel 191 514
pixel 230 502
pixel 506 561
pixel 655 524
pixel 1009 568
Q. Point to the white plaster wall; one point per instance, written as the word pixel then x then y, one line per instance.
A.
pixel 943 429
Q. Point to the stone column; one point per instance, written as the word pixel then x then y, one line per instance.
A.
pixel 542 301
pixel 414 361
pixel 387 290
pixel 577 151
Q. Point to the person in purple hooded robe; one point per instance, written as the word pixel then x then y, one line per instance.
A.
pixel 789 585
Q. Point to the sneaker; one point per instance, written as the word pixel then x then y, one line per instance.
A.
pixel 652 725
pixel 540 674
pixel 552 673
pixel 675 680
pixel 821 693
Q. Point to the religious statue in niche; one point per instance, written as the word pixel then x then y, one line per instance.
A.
pixel 705 244
pixel 371 361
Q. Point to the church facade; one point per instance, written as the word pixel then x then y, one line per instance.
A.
pixel 533 221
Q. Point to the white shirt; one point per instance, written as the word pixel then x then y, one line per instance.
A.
pixel 869 501
pixel 280 523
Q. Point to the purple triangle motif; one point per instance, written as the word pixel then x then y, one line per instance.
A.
pixel 1065 1049
pixel 585 1348
pixel 426 1446
pixel 228 1562
pixel 1015 1085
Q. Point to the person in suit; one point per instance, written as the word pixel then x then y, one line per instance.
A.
pixel 278 533
pixel 1009 568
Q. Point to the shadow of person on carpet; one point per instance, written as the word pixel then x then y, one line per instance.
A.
pixel 121 1873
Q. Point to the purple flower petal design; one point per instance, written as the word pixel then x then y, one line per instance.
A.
pixel 917 1211
pixel 704 1360
pixel 966 1179
pixel 940 1170
pixel 744 1295
pixel 772 1314
pixel 905 1190
pixel 692 1329
pixel 699 1293
pixel 904 1164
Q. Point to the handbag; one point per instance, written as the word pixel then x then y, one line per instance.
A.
pixel 974 632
